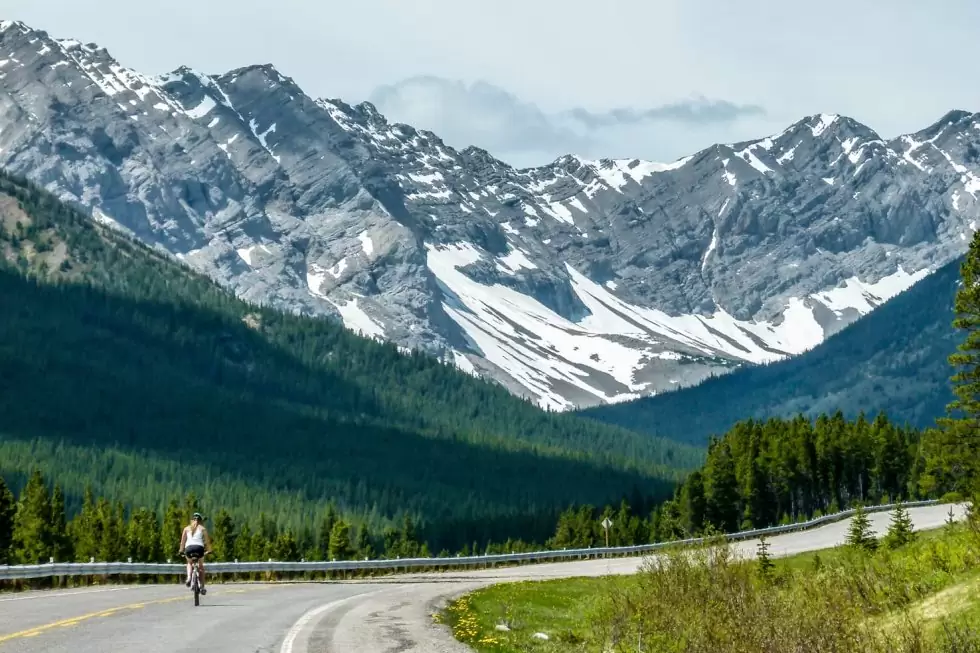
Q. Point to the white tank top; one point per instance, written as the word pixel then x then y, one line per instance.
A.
pixel 196 538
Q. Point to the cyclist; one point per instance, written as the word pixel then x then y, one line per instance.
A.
pixel 195 541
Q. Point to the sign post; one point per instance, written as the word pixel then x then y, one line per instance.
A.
pixel 606 523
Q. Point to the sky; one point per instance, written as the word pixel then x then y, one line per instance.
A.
pixel 654 79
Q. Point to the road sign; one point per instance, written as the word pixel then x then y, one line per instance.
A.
pixel 606 523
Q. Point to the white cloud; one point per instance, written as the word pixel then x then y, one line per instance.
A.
pixel 521 133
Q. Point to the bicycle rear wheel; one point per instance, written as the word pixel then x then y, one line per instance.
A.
pixel 196 584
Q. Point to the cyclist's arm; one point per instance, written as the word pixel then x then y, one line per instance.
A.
pixel 183 539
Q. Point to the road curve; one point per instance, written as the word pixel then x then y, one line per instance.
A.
pixel 399 621
pixel 380 616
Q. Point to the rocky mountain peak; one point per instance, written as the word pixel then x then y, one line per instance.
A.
pixel 574 283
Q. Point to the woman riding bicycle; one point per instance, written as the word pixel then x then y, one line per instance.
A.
pixel 195 543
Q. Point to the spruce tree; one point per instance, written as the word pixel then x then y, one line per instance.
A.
pixel 950 518
pixel 285 547
pixel 859 535
pixel 8 508
pixel 959 450
pixel 326 528
pixel 392 543
pixel 564 531
pixel 243 544
pixel 191 505
pixel 113 540
pixel 223 536
pixel 692 504
pixel 32 523
pixel 144 536
pixel 173 526
pixel 363 542
pixel 765 562
pixel 86 529
pixel 900 531
pixel 721 489
pixel 340 544
pixel 408 542
pixel 61 542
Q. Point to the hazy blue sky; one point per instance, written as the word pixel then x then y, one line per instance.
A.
pixel 896 65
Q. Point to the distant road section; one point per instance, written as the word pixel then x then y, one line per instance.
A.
pixel 379 616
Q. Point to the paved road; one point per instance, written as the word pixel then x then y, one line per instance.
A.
pixel 389 616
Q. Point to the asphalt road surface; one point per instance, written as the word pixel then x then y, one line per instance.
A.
pixel 386 616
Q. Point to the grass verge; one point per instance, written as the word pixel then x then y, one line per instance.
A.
pixel 919 598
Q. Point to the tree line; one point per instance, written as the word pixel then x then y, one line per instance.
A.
pixel 35 528
pixel 759 474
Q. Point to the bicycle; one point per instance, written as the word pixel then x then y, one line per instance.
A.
pixel 195 577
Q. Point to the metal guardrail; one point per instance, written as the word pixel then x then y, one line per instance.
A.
pixel 56 569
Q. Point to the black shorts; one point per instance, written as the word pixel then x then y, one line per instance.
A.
pixel 194 551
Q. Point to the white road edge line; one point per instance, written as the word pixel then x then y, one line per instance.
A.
pixel 303 622
pixel 51 595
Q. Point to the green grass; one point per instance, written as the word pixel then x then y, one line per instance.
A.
pixel 923 597
pixel 559 609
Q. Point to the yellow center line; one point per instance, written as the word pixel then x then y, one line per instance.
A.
pixel 72 621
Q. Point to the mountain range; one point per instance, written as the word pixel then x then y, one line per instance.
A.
pixel 579 283
pixel 894 361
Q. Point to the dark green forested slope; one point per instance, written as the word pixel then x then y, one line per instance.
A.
pixel 121 368
pixel 893 360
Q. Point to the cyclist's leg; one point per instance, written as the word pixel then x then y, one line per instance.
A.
pixel 200 570
pixel 188 581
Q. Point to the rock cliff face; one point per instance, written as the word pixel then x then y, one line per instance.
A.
pixel 577 283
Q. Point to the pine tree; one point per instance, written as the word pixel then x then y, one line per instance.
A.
pixel 32 523
pixel 223 536
pixel 693 504
pixel 900 531
pixel 392 543
pixel 758 502
pixel 62 548
pixel 340 544
pixel 721 489
pixel 408 543
pixel 285 548
pixel 191 505
pixel 8 509
pixel 86 529
pixel 362 542
pixel 951 518
pixel 243 544
pixel 326 528
pixel 173 526
pixel 143 536
pixel 959 450
pixel 859 535
pixel 564 531
pixel 113 540
pixel 765 563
